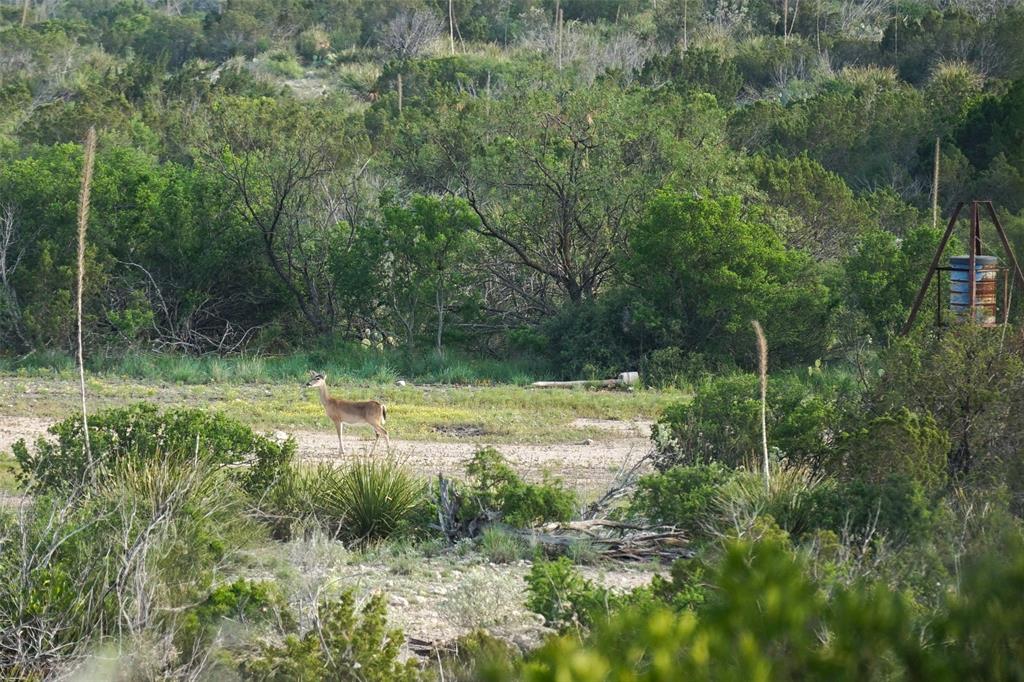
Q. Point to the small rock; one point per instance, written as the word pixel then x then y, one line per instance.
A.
pixel 398 602
pixel 280 436
pixel 400 382
pixel 588 441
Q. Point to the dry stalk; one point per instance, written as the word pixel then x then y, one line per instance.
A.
pixel 935 185
pixel 83 221
pixel 762 371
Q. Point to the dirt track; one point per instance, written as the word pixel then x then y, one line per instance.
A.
pixel 582 465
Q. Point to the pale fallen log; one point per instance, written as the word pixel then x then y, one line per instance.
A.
pixel 623 380
pixel 582 383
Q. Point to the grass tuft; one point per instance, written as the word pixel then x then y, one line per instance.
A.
pixel 373 498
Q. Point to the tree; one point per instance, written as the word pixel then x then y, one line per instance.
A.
pixel 11 252
pixel 556 178
pixel 429 242
pixel 882 275
pixel 830 216
pixel 994 127
pixel 707 267
pixel 972 381
pixel 292 167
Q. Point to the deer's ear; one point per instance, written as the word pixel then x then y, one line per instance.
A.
pixel 312 374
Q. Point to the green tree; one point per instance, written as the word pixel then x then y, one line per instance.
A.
pixel 707 267
pixel 884 273
pixel 830 216
pixel 293 168
pixel 972 381
pixel 557 177
pixel 430 242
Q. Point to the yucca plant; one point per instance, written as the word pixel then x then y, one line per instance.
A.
pixel 371 498
pixel 788 498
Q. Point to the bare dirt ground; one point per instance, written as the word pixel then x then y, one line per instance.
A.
pixel 434 598
pixel 587 467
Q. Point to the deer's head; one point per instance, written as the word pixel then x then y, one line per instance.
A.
pixel 316 379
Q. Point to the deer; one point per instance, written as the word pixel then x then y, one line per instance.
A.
pixel 343 412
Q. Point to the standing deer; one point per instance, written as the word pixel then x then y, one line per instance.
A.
pixel 343 412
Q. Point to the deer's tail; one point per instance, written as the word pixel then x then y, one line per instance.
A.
pixel 383 413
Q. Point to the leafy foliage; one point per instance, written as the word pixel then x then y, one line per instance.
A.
pixel 134 555
pixel 972 383
pixel 347 645
pixel 734 269
pixel 682 496
pixel 722 423
pixel 140 433
pixel 761 597
pixel 901 444
pixel 566 599
pixel 497 487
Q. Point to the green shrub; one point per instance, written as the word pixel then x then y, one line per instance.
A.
pixel 982 628
pixel 900 444
pixel 765 616
pixel 567 600
pixel 496 487
pixel 141 433
pixel 672 366
pixel 683 496
pixel 723 421
pixel 762 620
pixel 478 656
pixel 896 508
pixel 240 603
pixel 686 586
pixel 368 500
pixel 313 43
pixel 132 555
pixel 283 64
pixel 972 382
pixel 345 645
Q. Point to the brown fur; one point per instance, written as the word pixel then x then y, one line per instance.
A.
pixel 343 412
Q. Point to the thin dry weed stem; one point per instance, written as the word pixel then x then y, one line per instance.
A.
pixel 83 221
pixel 762 370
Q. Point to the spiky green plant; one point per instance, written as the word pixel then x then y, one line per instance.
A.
pixel 372 497
pixel 788 499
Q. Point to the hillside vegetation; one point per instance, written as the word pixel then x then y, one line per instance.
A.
pixel 630 186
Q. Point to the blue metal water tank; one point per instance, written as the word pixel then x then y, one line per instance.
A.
pixel 985 270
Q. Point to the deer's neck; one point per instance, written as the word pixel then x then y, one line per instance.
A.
pixel 324 398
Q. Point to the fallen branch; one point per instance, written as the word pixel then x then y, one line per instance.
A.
pixel 625 479
pixel 619 541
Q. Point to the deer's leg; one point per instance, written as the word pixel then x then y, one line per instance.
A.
pixel 341 430
pixel 387 439
pixel 375 440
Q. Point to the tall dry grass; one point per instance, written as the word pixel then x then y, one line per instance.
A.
pixel 83 222
pixel 762 372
